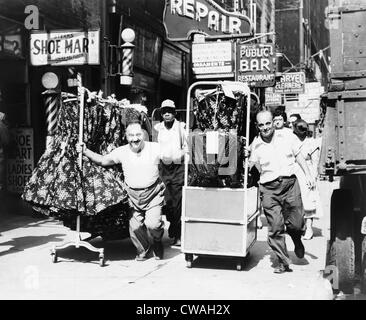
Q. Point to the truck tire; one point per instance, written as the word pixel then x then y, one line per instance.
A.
pixel 342 249
pixel 363 265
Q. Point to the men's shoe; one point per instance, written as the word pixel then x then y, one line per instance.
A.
pixel 143 256
pixel 176 242
pixel 158 250
pixel 282 268
pixel 299 249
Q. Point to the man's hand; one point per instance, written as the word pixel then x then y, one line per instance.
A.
pixel 80 147
pixel 246 152
pixel 310 181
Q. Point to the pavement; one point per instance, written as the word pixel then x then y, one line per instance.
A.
pixel 27 271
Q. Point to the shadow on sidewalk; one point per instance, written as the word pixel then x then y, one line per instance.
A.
pixel 24 243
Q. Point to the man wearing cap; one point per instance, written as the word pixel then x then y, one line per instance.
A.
pixel 173 147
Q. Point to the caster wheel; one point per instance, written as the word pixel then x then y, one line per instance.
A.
pixel 189 260
pixel 239 266
pixel 54 257
pixel 101 261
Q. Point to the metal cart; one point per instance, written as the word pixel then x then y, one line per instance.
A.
pixel 219 221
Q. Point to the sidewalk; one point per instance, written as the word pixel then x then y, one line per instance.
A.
pixel 26 270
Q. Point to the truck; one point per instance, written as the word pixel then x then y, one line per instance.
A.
pixel 343 153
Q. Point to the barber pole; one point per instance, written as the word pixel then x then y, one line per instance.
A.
pixel 52 102
pixel 128 35
pixel 52 107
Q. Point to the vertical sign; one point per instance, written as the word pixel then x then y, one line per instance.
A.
pixel 20 162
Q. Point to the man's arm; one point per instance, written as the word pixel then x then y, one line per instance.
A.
pixel 103 161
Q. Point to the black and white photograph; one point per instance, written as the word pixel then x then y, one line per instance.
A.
pixel 183 155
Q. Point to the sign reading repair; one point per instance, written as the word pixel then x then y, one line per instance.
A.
pixel 256 64
pixel 184 17
pixel 20 162
pixel 58 48
pixel 292 82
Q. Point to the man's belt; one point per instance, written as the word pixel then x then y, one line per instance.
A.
pixel 279 179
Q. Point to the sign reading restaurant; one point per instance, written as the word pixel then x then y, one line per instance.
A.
pixel 182 18
pixel 292 82
pixel 64 47
pixel 256 64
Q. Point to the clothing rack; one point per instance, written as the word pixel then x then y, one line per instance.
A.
pixel 78 242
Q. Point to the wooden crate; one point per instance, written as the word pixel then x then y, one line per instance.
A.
pixel 348 39
pixel 344 137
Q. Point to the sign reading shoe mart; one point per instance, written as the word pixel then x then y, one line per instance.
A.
pixel 182 18
pixel 64 47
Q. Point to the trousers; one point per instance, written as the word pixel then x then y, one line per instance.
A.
pixel 173 178
pixel 283 208
pixel 145 215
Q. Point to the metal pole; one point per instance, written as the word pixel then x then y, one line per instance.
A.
pixel 301 32
pixel 81 133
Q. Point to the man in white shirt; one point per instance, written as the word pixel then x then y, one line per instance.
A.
pixel 139 160
pixel 274 153
pixel 173 146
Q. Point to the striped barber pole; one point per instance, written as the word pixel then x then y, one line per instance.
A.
pixel 127 61
pixel 52 106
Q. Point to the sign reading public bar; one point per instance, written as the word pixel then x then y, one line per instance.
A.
pixel 256 64
pixel 212 58
pixel 182 18
pixel 64 47
pixel 292 82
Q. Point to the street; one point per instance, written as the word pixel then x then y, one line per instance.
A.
pixel 27 272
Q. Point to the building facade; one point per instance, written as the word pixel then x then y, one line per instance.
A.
pixel 160 68
pixel 302 38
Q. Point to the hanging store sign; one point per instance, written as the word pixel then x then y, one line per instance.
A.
pixel 20 161
pixel 212 58
pixel 182 18
pixel 292 82
pixel 59 48
pixel 256 64
pixel 272 99
pixel 11 44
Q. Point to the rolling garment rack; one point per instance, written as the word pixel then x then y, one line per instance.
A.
pixel 78 242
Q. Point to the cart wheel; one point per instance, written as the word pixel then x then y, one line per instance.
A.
pixel 239 266
pixel 101 261
pixel 189 260
pixel 54 257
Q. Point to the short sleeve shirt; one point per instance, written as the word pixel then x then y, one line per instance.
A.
pixel 172 141
pixel 140 169
pixel 276 158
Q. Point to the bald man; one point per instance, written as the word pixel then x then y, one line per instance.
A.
pixel 274 153
pixel 139 160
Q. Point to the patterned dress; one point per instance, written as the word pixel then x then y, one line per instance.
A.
pixel 59 188
pixel 213 111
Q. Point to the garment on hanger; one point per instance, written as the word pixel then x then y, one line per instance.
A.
pixel 59 188
pixel 225 113
pixel 57 183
